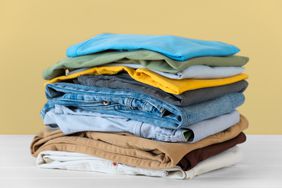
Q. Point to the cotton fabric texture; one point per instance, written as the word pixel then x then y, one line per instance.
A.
pixel 148 59
pixel 128 149
pixel 82 162
pixel 195 71
pixel 191 160
pixel 202 72
pixel 159 106
pixel 174 47
pixel 150 78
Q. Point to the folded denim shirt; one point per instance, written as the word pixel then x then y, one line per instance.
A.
pixel 72 121
pixel 149 59
pixel 150 78
pixel 124 81
pixel 137 106
pixel 177 48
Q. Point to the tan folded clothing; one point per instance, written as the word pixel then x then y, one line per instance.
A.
pixel 128 149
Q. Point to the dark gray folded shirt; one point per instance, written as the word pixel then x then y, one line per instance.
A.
pixel 124 81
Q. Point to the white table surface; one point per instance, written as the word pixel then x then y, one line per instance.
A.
pixel 261 167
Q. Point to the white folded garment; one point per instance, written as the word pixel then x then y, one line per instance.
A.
pixel 194 71
pixel 83 162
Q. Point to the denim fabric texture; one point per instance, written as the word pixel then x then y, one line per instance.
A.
pixel 124 81
pixel 177 48
pixel 73 121
pixel 137 106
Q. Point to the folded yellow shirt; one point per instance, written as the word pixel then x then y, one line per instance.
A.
pixel 153 79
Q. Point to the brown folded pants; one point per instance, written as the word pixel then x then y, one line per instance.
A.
pixel 194 157
pixel 128 149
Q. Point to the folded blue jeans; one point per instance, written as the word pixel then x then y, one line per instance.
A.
pixel 72 121
pixel 137 106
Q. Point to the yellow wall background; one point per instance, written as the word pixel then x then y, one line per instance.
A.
pixel 35 33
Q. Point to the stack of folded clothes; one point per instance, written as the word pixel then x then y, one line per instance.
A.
pixel 161 106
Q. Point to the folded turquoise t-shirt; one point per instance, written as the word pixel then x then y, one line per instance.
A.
pixel 177 48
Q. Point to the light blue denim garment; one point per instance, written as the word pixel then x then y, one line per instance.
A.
pixel 73 121
pixel 177 48
pixel 137 106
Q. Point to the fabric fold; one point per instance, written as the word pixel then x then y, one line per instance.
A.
pixel 203 72
pixel 71 121
pixel 124 81
pixel 191 160
pixel 148 59
pixel 137 106
pixel 81 162
pixel 131 104
pixel 174 47
pixel 193 72
pixel 128 149
pixel 153 79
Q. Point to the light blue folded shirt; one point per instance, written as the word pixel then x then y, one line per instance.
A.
pixel 177 48
pixel 75 120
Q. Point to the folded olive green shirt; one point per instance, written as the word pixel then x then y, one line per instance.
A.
pixel 128 149
pixel 149 59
